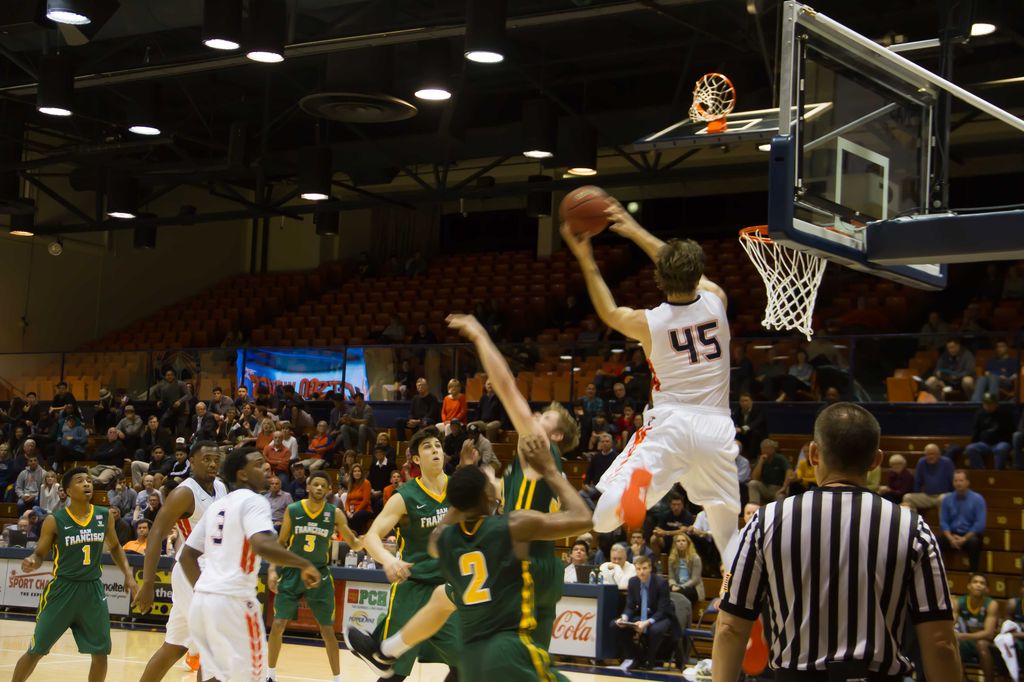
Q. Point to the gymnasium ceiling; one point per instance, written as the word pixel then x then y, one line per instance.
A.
pixel 626 67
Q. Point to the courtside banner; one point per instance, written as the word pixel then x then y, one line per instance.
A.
pixel 24 589
pixel 575 629
pixel 310 371
pixel 366 604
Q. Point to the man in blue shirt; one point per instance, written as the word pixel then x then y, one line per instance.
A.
pixel 933 478
pixel 993 430
pixel 962 519
pixel 1000 374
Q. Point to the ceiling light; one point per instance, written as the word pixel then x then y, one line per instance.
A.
pixel 266 26
pixel 56 85
pixel 565 357
pixel 316 170
pixel 144 130
pixel 327 223
pixel 540 129
pixel 579 148
pixel 485 31
pixel 56 247
pixel 222 24
pixel 23 224
pixel 143 111
pixel 122 197
pixel 72 12
pixel 618 350
pixel 982 29
pixel 633 207
pixel 766 147
pixel 433 65
pixel 538 198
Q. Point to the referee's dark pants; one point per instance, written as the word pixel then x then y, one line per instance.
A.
pixel 643 648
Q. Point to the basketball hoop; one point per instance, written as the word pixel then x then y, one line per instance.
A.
pixel 791 280
pixel 714 97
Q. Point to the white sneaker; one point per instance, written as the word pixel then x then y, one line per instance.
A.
pixel 703 669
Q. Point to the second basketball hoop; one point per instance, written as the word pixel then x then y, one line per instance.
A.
pixel 714 97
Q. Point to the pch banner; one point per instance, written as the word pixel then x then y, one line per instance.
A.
pixel 311 371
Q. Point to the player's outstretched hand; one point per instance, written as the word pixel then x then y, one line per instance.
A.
pixel 30 563
pixel 131 587
pixel 272 580
pixel 620 221
pixel 467 325
pixel 144 597
pixel 579 244
pixel 397 570
pixel 310 576
pixel 536 452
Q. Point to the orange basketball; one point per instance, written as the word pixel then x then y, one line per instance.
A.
pixel 583 209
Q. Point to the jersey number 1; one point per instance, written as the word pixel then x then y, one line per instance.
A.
pixel 704 338
pixel 473 564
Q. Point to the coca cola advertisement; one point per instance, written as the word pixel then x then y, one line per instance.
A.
pixel 575 629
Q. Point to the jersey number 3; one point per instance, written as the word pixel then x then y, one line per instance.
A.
pixel 474 565
pixel 710 348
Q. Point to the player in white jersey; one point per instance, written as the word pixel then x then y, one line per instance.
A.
pixel 225 618
pixel 183 508
pixel 688 435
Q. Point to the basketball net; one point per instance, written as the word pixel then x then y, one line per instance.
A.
pixel 791 280
pixel 713 98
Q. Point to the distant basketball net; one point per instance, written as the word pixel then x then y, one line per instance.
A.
pixel 714 98
pixel 791 280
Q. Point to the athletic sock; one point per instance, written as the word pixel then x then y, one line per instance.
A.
pixel 394 646
pixel 337 678
pixel 272 674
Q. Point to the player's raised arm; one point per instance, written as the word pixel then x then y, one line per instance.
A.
pixel 43 546
pixel 628 322
pixel 120 560
pixel 180 503
pixel 573 519
pixel 497 369
pixel 390 516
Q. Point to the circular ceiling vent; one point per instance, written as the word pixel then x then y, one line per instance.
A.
pixel 354 107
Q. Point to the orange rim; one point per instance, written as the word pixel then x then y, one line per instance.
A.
pixel 756 233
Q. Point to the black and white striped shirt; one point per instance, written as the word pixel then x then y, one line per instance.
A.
pixel 840 569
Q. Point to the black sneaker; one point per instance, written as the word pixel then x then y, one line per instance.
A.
pixel 367 648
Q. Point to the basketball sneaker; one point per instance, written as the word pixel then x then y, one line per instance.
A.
pixel 633 505
pixel 191 661
pixel 367 648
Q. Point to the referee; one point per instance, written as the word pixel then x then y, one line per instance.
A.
pixel 835 572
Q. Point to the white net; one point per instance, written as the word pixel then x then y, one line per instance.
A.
pixel 791 280
pixel 713 98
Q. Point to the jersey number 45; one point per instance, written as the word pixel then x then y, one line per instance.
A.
pixel 683 342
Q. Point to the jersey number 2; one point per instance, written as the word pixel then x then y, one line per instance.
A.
pixel 704 338
pixel 473 564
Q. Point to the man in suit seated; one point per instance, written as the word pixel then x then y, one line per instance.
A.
pixel 648 618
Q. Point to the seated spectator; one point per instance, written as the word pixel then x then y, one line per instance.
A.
pixel 202 425
pixel 490 414
pixel 599 463
pixel 154 502
pixel 279 501
pixel 424 410
pixel 933 478
pixel 320 448
pixel 384 441
pixel 452 443
pixel 934 333
pixel 685 569
pixel 278 456
pixel 109 457
pixel 410 469
pixel 73 439
pixel 159 463
pixel 182 467
pixel 1000 377
pixel 638 548
pixel 454 407
pixel 953 371
pixel 791 486
pixel 993 431
pixel 976 616
pixel 153 435
pixel 357 425
pixel 142 497
pixel 241 397
pixel 751 427
pixel 288 438
pixel 297 486
pixel 585 423
pixel 804 470
pixel 29 484
pixel 358 504
pixel 394 484
pixel 647 619
pixel 616 405
pixel 676 521
pixel 138 545
pixel 578 556
pixel 121 528
pixel 238 431
pixel 600 426
pixel 266 434
pixel 8 474
pixel 592 403
pixel 121 497
pixel 49 494
pixel 220 403
pixel 898 480
pixel 379 475
pixel 704 543
pixel 483 446
pixel 769 473
pixel 130 428
pixel 617 571
pixel 962 519
pixel 801 374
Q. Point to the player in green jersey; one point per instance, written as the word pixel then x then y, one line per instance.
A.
pixel 75 598
pixel 306 530
pixel 416 508
pixel 487 563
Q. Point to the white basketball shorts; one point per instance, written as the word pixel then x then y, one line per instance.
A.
pixel 181 600
pixel 678 443
pixel 228 633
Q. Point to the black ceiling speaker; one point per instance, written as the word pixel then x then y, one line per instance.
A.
pixel 327 223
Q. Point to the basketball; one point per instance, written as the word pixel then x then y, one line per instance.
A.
pixel 584 210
